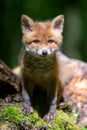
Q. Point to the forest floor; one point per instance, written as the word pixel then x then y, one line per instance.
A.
pixel 12 118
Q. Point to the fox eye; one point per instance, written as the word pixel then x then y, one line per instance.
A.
pixel 36 41
pixel 50 41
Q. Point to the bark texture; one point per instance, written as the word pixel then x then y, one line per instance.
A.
pixel 10 83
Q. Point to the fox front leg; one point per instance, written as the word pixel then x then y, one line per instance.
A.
pixel 27 107
pixel 52 111
pixel 52 102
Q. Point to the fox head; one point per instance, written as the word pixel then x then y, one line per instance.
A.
pixel 42 38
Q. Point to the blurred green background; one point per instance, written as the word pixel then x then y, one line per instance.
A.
pixel 75 29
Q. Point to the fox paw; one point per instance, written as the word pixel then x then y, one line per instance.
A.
pixel 49 116
pixel 27 109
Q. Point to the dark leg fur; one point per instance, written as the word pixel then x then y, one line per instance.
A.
pixel 27 108
pixel 52 102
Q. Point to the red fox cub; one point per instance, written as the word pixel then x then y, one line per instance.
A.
pixel 39 67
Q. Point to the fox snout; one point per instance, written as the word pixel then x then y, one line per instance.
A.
pixel 44 52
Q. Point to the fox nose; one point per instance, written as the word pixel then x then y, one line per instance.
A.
pixel 44 52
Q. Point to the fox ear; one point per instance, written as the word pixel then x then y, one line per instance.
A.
pixel 58 23
pixel 26 23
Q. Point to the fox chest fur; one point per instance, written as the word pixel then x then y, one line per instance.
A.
pixel 39 70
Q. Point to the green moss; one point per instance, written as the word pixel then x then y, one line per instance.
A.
pixel 12 114
pixel 61 122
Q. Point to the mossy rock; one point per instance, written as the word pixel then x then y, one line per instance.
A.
pixel 15 116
